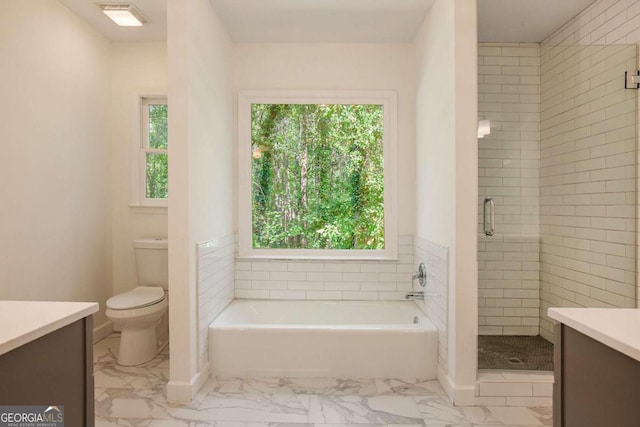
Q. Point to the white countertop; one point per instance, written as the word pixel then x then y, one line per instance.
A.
pixel 24 321
pixel 618 328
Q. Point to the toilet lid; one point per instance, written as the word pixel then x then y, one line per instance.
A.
pixel 141 296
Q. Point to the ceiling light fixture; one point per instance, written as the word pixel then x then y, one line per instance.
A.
pixel 125 15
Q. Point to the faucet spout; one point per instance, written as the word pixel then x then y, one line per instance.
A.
pixel 414 296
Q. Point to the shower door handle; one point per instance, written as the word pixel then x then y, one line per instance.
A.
pixel 490 225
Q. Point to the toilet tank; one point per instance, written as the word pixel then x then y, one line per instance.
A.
pixel 152 262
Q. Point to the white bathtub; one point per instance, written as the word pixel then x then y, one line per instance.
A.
pixel 358 339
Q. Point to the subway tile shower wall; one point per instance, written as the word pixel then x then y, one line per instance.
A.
pixel 327 280
pixel 509 285
pixel 589 160
pixel 215 287
pixel 509 164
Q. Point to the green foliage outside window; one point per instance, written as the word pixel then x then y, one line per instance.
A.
pixel 157 163
pixel 317 176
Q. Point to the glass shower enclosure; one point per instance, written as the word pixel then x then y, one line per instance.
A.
pixel 557 192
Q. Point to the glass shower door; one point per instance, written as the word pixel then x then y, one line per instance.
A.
pixel 557 192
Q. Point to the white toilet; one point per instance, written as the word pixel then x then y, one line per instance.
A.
pixel 141 314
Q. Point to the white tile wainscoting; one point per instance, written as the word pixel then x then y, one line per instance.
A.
pixel 436 261
pixel 215 286
pixel 327 279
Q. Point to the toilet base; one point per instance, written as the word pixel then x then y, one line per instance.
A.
pixel 137 346
pixel 143 332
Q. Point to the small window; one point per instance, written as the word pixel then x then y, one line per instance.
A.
pixel 154 172
pixel 318 177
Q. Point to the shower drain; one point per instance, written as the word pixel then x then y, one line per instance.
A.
pixel 515 361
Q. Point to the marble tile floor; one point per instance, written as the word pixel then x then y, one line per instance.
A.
pixel 136 396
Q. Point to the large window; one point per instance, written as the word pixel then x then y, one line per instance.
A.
pixel 317 175
pixel 153 167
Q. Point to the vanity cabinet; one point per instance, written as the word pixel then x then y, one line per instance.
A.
pixel 50 362
pixel 597 368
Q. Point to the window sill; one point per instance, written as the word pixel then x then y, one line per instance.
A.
pixel 380 257
pixel 155 210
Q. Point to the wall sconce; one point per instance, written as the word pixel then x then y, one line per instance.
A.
pixel 484 128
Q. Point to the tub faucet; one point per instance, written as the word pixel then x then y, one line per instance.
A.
pixel 421 275
pixel 414 296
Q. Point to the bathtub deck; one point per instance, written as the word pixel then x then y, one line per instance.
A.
pixel 137 397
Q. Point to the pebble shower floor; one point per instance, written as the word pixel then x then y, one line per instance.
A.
pixel 136 396
pixel 513 352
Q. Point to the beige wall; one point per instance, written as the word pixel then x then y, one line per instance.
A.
pixel 137 69
pixel 435 130
pixel 201 171
pixel 446 155
pixel 435 160
pixel 55 219
pixel 463 302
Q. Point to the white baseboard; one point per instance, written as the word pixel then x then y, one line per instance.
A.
pixel 185 391
pixel 465 396
pixel 200 378
pixel 102 331
pixel 459 395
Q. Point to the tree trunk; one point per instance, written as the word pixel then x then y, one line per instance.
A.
pixel 304 164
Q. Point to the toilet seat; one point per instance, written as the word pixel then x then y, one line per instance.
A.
pixel 142 296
